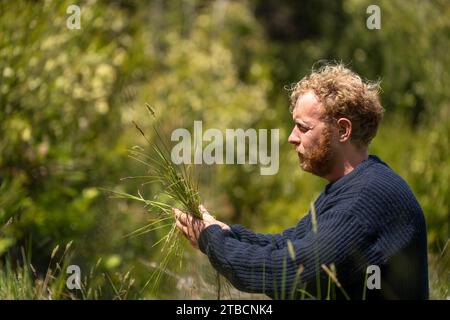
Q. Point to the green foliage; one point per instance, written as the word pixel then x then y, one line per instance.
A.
pixel 68 98
pixel 60 112
pixel 408 53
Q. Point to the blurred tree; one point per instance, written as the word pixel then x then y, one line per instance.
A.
pixel 60 119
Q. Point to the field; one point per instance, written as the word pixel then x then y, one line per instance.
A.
pixel 70 98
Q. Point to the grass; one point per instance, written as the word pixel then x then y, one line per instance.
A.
pixel 439 274
pixel 179 189
pixel 21 281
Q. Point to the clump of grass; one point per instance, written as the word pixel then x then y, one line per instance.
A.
pixel 19 280
pixel 439 270
pixel 179 188
pixel 22 281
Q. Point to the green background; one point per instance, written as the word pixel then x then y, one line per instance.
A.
pixel 68 99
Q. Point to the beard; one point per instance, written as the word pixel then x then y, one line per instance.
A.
pixel 320 160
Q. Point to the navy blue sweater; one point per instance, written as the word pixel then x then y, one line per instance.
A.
pixel 368 217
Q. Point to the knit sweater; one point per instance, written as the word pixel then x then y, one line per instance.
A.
pixel 368 217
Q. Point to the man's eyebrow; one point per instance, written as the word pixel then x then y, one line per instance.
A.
pixel 302 123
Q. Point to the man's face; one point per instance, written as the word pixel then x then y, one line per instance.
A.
pixel 314 140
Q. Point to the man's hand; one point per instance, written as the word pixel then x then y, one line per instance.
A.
pixel 192 227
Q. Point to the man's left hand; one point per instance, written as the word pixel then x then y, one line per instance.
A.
pixel 192 227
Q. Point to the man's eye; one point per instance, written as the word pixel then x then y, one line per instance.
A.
pixel 302 128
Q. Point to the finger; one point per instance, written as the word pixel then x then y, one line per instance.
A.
pixel 179 225
pixel 187 232
pixel 191 230
pixel 187 219
pixel 182 228
pixel 176 212
pixel 180 216
pixel 202 209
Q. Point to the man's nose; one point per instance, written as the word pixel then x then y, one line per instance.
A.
pixel 294 138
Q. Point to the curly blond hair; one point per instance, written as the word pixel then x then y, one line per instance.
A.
pixel 344 94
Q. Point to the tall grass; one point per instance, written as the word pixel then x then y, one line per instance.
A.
pixel 179 188
pixel 20 281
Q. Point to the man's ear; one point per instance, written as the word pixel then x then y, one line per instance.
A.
pixel 345 129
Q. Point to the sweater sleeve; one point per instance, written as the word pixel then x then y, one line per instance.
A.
pixel 257 268
pixel 244 235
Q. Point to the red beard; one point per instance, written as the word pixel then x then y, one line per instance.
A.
pixel 320 160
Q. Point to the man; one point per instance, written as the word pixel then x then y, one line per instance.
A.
pixel 366 216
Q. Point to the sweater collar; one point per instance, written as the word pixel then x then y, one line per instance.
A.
pixel 333 186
